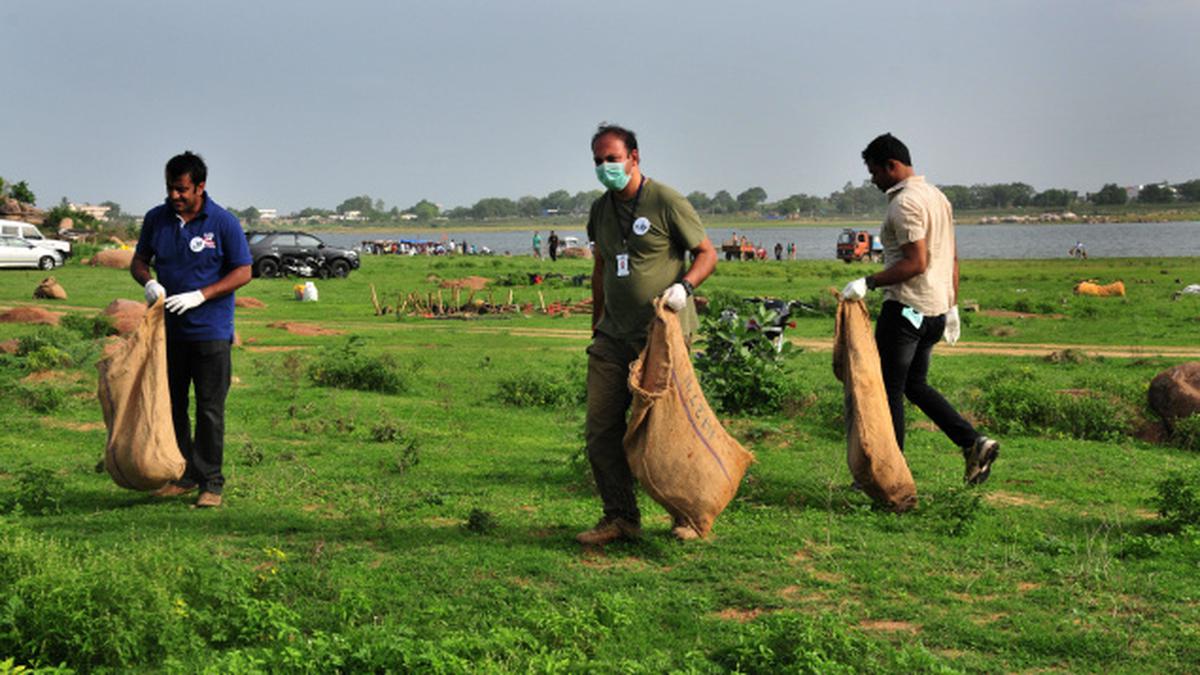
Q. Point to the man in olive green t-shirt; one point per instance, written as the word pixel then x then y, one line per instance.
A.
pixel 642 231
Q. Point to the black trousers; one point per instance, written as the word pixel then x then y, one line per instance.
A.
pixel 207 365
pixel 904 353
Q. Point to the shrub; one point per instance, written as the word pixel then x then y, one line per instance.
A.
pixel 1178 499
pixel 1014 403
pixel 740 369
pixel 543 390
pixel 89 327
pixel 44 399
pixel 39 492
pixel 347 367
pixel 480 521
pixel 1186 432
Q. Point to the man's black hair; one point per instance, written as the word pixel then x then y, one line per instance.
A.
pixel 188 163
pixel 626 136
pixel 886 147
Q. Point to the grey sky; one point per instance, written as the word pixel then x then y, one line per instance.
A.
pixel 304 103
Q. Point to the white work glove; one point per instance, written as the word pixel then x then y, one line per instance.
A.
pixel 855 290
pixel 154 291
pixel 675 297
pixel 182 302
pixel 953 326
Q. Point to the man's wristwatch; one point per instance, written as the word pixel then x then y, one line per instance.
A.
pixel 687 286
pixel 870 283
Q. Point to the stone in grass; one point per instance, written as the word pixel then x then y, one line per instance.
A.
pixel 1174 393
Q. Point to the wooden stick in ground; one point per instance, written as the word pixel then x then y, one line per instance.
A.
pixel 402 303
pixel 375 301
pixel 542 301
pixel 510 296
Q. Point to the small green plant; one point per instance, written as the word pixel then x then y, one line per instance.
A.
pixel 538 389
pixel 47 357
pixel 39 492
pixel 89 327
pixel 1178 499
pixel 955 511
pixel 251 455
pixel 480 521
pixel 740 368
pixel 347 367
pixel 1186 432
pixel 43 400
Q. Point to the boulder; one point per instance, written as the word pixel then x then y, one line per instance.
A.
pixel 66 223
pixel 49 289
pixel 125 314
pixel 35 315
pixel 1175 392
pixel 113 257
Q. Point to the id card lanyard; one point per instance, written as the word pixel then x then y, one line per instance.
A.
pixel 626 230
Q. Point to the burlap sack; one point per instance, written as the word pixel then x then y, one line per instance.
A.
pixel 1115 289
pixel 675 445
pixel 871 449
pixel 141 453
pixel 50 289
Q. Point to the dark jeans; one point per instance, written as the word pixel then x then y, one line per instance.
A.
pixel 904 352
pixel 207 364
pixel 608 400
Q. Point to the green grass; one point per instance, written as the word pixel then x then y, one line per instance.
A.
pixel 433 529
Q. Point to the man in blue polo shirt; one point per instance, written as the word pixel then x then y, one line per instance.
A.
pixel 200 255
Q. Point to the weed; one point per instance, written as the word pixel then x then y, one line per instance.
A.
pixel 954 511
pixel 47 357
pixel 251 455
pixel 1015 403
pixel 480 521
pixel 347 367
pixel 39 491
pixel 740 369
pixel 89 327
pixel 535 389
pixel 1178 499
pixel 44 400
pixel 1186 432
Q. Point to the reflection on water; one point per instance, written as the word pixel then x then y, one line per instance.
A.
pixel 1103 240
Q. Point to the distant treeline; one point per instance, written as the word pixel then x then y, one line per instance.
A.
pixel 851 200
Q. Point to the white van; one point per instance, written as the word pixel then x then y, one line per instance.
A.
pixel 30 233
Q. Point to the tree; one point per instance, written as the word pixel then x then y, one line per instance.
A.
pixel 699 201
pixel 313 212
pixel 797 204
pixel 494 207
pixel 529 206
pixel 22 193
pixel 960 196
pixel 251 215
pixel 1156 193
pixel 1110 193
pixel 1055 197
pixel 558 201
pixel 751 198
pixel 361 203
pixel 380 207
pixel 582 201
pixel 723 202
pixel 424 210
pixel 1189 191
pixel 114 209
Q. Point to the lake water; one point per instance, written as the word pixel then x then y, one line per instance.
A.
pixel 1102 240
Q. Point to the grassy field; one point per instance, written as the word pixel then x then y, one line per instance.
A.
pixel 432 529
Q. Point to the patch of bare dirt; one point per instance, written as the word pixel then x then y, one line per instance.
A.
pixel 885 626
pixel 307 329
pixel 62 376
pixel 739 614
pixel 33 315
pixel 1001 498
pixel 468 283
pixel 1009 314
pixel 274 348
pixel 73 426
pixel 247 302
pixel 10 346
pixel 987 619
pixel 827 577
pixel 1026 586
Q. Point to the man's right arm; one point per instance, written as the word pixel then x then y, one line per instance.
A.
pixel 139 269
pixel 597 289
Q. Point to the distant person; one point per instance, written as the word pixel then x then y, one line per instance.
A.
pixel 199 252
pixel 537 244
pixel 920 288
pixel 642 230
pixel 778 251
pixel 791 250
pixel 1078 251
pixel 552 245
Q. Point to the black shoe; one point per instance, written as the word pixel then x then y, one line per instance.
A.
pixel 979 458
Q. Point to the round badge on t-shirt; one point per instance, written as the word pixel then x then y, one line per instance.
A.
pixel 196 244
pixel 641 226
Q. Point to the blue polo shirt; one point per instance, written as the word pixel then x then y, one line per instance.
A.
pixel 188 257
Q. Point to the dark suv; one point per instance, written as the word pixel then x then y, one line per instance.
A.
pixel 298 253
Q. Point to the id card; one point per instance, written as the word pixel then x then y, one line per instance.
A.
pixel 622 264
pixel 914 317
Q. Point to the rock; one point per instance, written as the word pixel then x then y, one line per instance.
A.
pixel 113 257
pixel 126 314
pixel 66 223
pixel 247 302
pixel 1175 393
pixel 49 289
pixel 10 346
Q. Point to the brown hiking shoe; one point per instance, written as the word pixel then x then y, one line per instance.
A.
pixel 609 530
pixel 207 500
pixel 173 490
pixel 684 532
pixel 979 458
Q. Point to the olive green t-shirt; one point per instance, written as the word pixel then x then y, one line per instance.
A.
pixel 657 251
